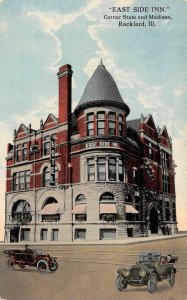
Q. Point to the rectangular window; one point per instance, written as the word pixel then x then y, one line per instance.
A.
pixel 54 235
pixel 25 234
pixel 112 169
pixel 112 127
pixel 46 145
pixel 91 169
pixel 107 234
pixel 101 169
pixel 90 128
pixel 90 124
pixel 150 151
pixel 120 119
pixel 90 117
pixel 27 179
pixel 111 115
pixel 80 234
pixel 24 151
pixel 43 234
pixel 21 180
pixel 18 153
pixel 121 170
pixel 100 124
pixel 101 115
pixel 100 127
pixel 165 181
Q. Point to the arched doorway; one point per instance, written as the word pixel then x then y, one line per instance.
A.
pixel 153 219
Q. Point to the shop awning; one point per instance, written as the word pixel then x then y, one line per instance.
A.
pixel 130 209
pixel 50 209
pixel 106 208
pixel 79 209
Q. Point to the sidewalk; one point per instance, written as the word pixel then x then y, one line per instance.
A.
pixel 127 241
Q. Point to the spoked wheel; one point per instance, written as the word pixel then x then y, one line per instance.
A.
pixel 10 264
pixel 171 281
pixel 152 283
pixel 53 266
pixel 42 266
pixel 121 283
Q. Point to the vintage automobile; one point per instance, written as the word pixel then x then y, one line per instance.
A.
pixel 151 268
pixel 43 262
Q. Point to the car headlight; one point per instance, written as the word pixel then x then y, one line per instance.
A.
pixel 142 273
pixel 126 273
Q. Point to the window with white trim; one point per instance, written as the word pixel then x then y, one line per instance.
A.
pixel 46 145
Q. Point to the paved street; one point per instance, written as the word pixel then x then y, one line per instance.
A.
pixel 89 273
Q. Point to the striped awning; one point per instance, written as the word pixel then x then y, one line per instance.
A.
pixel 50 209
pixel 130 209
pixel 106 208
pixel 79 209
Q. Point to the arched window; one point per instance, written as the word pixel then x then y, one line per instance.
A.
pixel 107 207
pixel 50 210
pixel 21 212
pixel 46 176
pixel 80 199
pixel 107 197
pixel 80 208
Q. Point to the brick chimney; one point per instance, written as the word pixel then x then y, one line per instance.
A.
pixel 64 104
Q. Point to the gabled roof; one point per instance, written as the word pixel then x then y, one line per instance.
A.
pixel 23 129
pixel 101 89
pixel 164 132
pixel 149 121
pixel 51 119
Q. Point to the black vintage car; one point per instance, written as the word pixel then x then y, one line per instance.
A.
pixel 151 268
pixel 21 258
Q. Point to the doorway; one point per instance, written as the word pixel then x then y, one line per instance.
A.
pixel 154 220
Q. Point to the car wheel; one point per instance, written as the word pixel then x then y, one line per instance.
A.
pixel 42 266
pixel 10 264
pixel 53 265
pixel 171 281
pixel 152 283
pixel 121 283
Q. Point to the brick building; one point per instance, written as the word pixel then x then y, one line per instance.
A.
pixel 90 174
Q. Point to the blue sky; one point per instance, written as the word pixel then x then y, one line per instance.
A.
pixel 148 65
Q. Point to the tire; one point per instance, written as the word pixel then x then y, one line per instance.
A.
pixel 53 266
pixel 152 283
pixel 42 266
pixel 171 281
pixel 10 264
pixel 121 283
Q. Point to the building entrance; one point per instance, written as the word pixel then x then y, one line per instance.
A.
pixel 154 220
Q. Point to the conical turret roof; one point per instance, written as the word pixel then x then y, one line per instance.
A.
pixel 101 89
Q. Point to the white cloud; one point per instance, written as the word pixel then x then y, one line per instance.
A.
pixel 178 93
pixel 42 111
pixel 179 152
pixel 5 136
pixel 52 22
